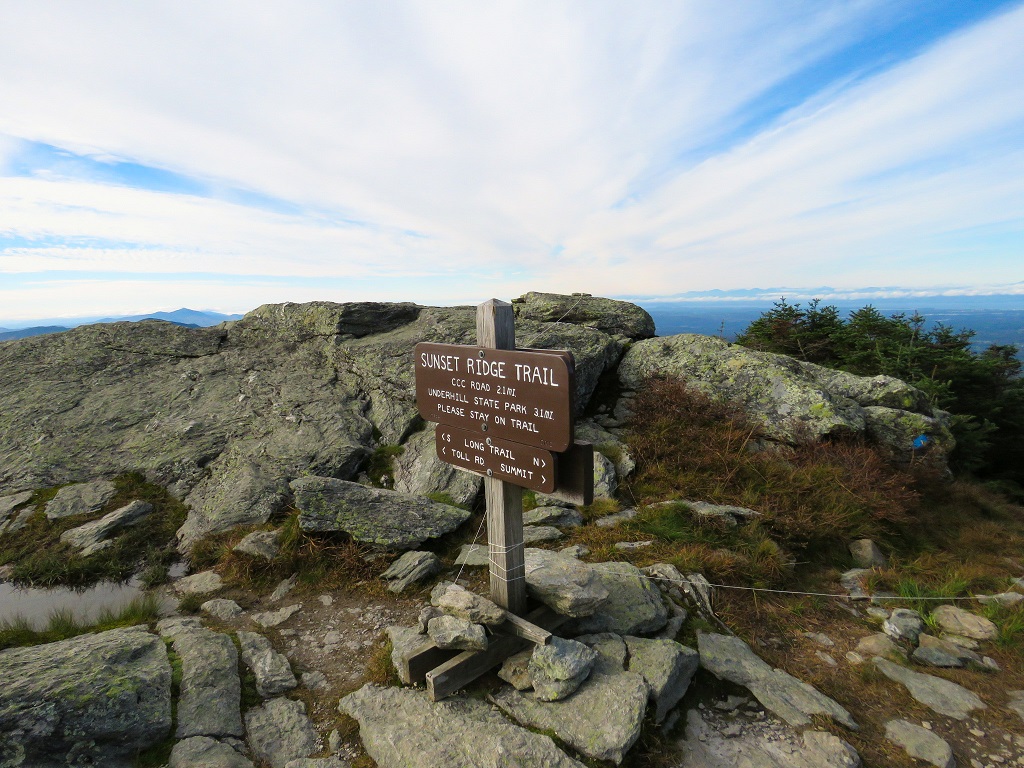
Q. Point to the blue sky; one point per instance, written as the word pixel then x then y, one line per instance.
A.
pixel 158 155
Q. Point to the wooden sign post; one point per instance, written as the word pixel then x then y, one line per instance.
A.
pixel 496 329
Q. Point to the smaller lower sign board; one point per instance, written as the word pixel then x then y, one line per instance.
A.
pixel 515 463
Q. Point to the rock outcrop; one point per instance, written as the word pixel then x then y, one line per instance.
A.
pixel 95 699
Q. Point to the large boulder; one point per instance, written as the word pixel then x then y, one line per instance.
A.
pixel 94 536
pixel 419 471
pixel 372 515
pixel 634 605
pixel 607 315
pixel 792 401
pixel 400 727
pixel 563 583
pixel 96 699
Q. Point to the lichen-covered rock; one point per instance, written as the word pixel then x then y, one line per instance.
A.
pixel 419 471
pixel 459 634
pixel 866 554
pixel 559 668
pixel 204 752
pixel 271 669
pixel 460 602
pixel 958 621
pixel 280 731
pixel 80 499
pixel 564 584
pixel 634 605
pixel 372 515
pixel 99 698
pixel 602 719
pixel 10 503
pixel 401 727
pixel 729 658
pixel 904 624
pixel 211 692
pixel 410 568
pixel 515 670
pixel 605 480
pixel 560 517
pixel 945 697
pixel 909 436
pixel 607 315
pixel 92 537
pixel 262 544
pixel 667 666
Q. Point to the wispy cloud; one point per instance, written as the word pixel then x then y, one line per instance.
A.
pixel 457 151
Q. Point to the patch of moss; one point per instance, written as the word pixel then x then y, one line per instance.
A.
pixel 380 469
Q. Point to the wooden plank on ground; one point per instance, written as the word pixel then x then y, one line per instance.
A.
pixel 417 662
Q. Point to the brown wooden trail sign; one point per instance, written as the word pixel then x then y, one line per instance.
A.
pixel 522 396
pixel 503 410
pixel 522 465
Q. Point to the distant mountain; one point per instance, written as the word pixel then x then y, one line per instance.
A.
pixel 191 318
pixel 37 330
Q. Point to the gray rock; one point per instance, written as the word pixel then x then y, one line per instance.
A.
pixel 895 431
pixel 99 698
pixel 279 731
pixel 202 583
pixel 262 544
pixel 515 670
pixel 564 584
pixel 1016 702
pixel 616 518
pixel 318 762
pixel 473 555
pixel 727 514
pixel 668 668
pixel 634 605
pixel 283 588
pixel 269 619
pixel 920 743
pixel 605 480
pixel 607 444
pixel 964 623
pixel 764 744
pixel 204 752
pixel 602 719
pixel 1005 599
pixel 401 727
pixel 575 550
pixel 559 668
pixel 561 517
pixel 632 546
pixel 866 554
pixel 607 315
pixel 427 613
pixel 10 503
pixel 963 642
pixel 211 692
pixel 536 534
pixel 18 520
pixel 452 632
pixel 80 499
pixel 942 696
pixel 403 641
pixel 271 669
pixel 410 568
pixel 729 658
pixel 931 656
pixel 958 652
pixel 460 602
pixel 820 638
pixel 91 537
pixel 904 624
pixel 854 581
pixel 372 515
pixel 418 471
pixel 222 609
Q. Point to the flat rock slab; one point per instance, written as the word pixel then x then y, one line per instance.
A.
pixel 560 517
pixel 602 719
pixel 372 515
pixel 729 658
pixel 920 743
pixel 401 727
pixel 93 536
pixel 460 602
pixel 535 534
pixel 210 689
pixel 271 669
pixel 667 666
pixel 99 698
pixel 204 752
pixel 264 545
pixel 940 695
pixel 10 503
pixel 221 608
pixel 710 743
pixel 80 499
pixel 474 555
pixel 280 731
pixel 202 583
pixel 634 605
pixel 564 584
pixel 409 568
pixel 957 621
pixel 269 619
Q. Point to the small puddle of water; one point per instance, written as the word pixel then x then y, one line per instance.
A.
pixel 37 603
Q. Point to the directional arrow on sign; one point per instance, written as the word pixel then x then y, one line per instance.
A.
pixel 499 459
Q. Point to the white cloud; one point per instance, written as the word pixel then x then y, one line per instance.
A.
pixel 496 143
